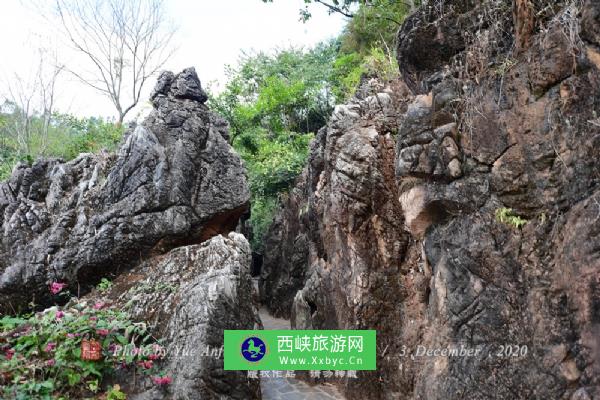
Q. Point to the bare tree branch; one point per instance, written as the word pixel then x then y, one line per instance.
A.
pixel 124 41
pixel 336 9
pixel 32 98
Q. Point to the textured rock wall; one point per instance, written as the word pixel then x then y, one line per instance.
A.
pixel 354 224
pixel 285 253
pixel 174 181
pixel 406 195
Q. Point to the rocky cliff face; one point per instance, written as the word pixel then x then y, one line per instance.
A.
pixel 460 205
pixel 174 181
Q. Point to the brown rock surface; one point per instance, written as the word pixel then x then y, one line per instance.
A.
pixel 407 241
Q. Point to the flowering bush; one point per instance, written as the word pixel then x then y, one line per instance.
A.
pixel 40 354
pixel 162 380
pixel 57 287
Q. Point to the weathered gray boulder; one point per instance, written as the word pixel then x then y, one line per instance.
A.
pixel 188 298
pixel 174 181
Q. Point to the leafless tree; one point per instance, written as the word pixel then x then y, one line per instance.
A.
pixel 48 73
pixel 33 98
pixel 123 41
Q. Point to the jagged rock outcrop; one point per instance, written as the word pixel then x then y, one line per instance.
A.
pixel 174 181
pixel 188 297
pixel 353 220
pixel 152 216
pixel 415 242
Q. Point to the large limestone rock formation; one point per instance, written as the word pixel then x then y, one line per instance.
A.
pixel 527 141
pixel 416 243
pixel 354 223
pixel 188 297
pixel 174 181
pixel 152 217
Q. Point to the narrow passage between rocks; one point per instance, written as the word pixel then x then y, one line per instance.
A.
pixel 292 388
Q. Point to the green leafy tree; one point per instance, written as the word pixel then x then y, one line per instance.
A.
pixel 347 8
pixel 59 135
pixel 374 25
pixel 274 104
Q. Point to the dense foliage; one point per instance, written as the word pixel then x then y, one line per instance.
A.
pixel 374 25
pixel 41 354
pixel 275 103
pixel 23 138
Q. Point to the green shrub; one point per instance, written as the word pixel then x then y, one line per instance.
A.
pixel 115 393
pixel 375 24
pixel 262 213
pixel 104 285
pixel 83 135
pixel 67 136
pixel 505 215
pixel 347 71
pixel 40 357
pixel 381 64
pixel 273 163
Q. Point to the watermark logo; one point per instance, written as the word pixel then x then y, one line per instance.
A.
pixel 253 349
pixel 295 350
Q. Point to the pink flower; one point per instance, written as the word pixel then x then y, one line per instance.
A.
pixel 50 362
pixel 50 346
pixel 59 314
pixel 57 287
pixel 99 305
pixel 145 364
pixel 93 318
pixel 153 356
pixel 9 354
pixel 71 335
pixel 162 380
pixel 102 332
